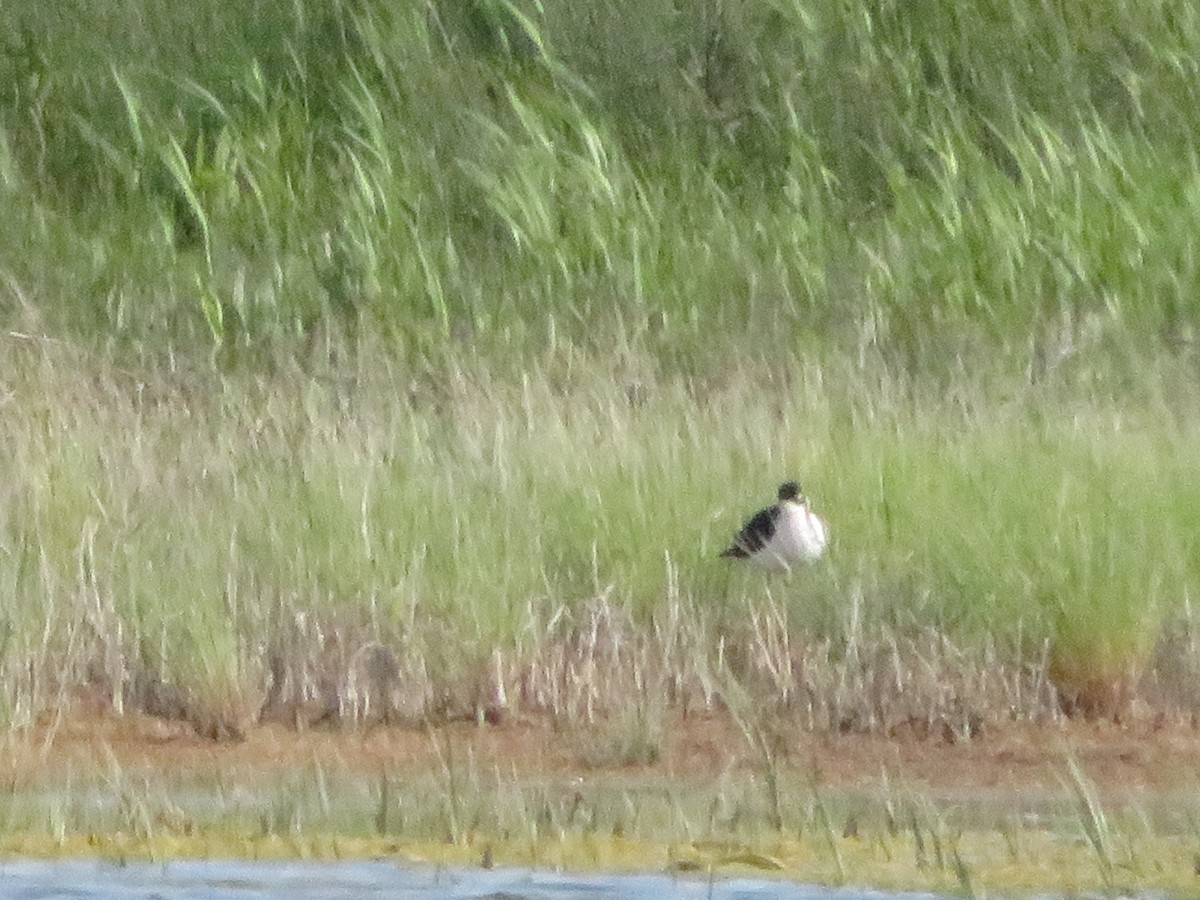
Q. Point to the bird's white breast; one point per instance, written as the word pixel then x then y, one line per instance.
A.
pixel 800 536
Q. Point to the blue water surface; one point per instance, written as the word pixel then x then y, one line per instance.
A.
pixel 240 880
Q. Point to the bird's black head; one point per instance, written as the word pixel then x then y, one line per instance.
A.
pixel 789 490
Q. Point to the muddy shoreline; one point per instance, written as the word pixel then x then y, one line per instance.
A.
pixel 1065 806
pixel 1150 756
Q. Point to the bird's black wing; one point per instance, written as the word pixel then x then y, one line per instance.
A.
pixel 755 533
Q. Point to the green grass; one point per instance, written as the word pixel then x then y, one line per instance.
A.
pixel 444 326
pixel 199 532
pixel 249 174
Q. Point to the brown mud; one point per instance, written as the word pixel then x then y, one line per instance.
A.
pixel 1150 757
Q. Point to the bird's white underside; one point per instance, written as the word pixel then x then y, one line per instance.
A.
pixel 800 537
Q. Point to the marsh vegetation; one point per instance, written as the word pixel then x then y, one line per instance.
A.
pixel 411 362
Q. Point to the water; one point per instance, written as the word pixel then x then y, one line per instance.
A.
pixel 235 880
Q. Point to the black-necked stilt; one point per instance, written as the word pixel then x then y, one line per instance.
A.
pixel 782 535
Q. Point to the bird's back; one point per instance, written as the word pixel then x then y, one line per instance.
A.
pixel 755 534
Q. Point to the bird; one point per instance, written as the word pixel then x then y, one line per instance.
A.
pixel 782 535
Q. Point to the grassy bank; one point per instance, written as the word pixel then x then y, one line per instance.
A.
pixel 413 361
pixel 401 545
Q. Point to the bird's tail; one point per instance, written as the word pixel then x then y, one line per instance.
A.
pixel 734 552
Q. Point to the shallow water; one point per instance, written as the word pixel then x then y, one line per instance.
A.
pixel 232 880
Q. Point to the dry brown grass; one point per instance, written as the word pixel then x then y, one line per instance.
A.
pixel 602 668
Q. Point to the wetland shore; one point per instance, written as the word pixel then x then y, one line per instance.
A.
pixel 1062 807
